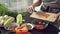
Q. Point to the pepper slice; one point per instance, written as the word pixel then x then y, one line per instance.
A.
pixel 21 30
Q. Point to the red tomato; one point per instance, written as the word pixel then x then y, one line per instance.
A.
pixel 46 15
pixel 38 26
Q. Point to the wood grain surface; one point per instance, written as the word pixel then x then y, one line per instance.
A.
pixel 51 17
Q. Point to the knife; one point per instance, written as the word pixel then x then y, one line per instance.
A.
pixel 39 12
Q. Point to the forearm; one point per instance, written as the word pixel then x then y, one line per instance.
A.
pixel 37 3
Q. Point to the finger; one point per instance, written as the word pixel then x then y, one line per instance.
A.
pixel 59 13
pixel 58 18
pixel 29 8
pixel 33 9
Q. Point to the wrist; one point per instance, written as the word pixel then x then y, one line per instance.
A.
pixel 33 5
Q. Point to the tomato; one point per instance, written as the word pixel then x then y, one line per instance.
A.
pixel 46 15
pixel 21 30
pixel 38 26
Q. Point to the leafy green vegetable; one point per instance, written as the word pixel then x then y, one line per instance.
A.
pixel 29 27
pixel 13 14
pixel 8 21
pixel 3 9
pixel 19 19
pixel 23 13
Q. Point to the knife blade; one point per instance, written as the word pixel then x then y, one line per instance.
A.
pixel 39 12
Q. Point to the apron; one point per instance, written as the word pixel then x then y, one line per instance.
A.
pixel 51 6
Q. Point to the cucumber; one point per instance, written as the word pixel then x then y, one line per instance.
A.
pixel 8 21
pixel 19 19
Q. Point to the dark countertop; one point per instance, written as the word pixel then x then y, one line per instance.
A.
pixel 49 30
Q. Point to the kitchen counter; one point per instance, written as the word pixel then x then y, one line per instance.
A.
pixel 49 30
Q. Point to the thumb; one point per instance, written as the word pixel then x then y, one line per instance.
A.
pixel 57 16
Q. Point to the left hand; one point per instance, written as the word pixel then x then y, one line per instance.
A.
pixel 58 16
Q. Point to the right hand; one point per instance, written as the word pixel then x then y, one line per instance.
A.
pixel 31 8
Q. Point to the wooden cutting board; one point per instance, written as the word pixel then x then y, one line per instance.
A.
pixel 50 18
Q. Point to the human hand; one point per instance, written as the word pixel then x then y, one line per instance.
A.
pixel 31 8
pixel 58 16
